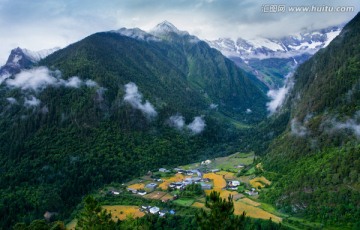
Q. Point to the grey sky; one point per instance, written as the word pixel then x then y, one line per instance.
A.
pixel 42 24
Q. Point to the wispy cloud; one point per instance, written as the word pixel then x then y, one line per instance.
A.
pixel 11 100
pixel 37 79
pixel 278 96
pixel 69 21
pixel 351 124
pixel 177 121
pixel 297 129
pixel 135 99
pixel 31 101
pixel 197 125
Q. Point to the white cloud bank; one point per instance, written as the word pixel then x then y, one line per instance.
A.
pixel 31 102
pixel 278 96
pixel 197 125
pixel 177 121
pixel 352 124
pixel 135 98
pixel 297 129
pixel 37 79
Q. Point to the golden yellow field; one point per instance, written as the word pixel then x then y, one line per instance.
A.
pixel 198 205
pixel 250 202
pixel 219 181
pixel 225 194
pixel 166 181
pixel 137 186
pixel 222 173
pixel 71 225
pixel 259 181
pixel 123 211
pixel 254 212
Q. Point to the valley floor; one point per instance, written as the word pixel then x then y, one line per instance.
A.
pixel 162 192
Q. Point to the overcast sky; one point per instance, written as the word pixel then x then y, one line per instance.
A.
pixel 43 24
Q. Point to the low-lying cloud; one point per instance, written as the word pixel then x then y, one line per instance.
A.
pixel 39 78
pixel 135 99
pixel 11 100
pixel 297 129
pixel 278 96
pixel 32 101
pixel 177 121
pixel 197 125
pixel 352 124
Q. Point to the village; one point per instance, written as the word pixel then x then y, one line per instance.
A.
pixel 233 175
pixel 165 191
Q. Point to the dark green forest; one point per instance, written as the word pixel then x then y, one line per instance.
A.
pixel 317 157
pixel 77 139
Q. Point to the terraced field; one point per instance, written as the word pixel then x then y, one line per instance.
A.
pixel 166 181
pixel 121 212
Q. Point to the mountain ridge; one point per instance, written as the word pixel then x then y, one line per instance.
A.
pixel 111 107
pixel 271 60
pixel 317 157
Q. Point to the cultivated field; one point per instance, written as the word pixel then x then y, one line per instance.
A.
pixel 156 195
pixel 259 181
pixel 198 205
pixel 254 212
pixel 137 186
pixel 166 181
pixel 121 212
pixel 219 181
pixel 250 202
pixel 71 225
pixel 184 201
pixel 167 197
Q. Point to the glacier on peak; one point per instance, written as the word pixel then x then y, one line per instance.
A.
pixel 166 27
pixel 285 47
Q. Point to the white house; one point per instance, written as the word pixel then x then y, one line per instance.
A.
pixel 163 170
pixel 154 210
pixel 235 183
pixel 142 193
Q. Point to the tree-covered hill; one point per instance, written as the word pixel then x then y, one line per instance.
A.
pixel 318 155
pixel 111 107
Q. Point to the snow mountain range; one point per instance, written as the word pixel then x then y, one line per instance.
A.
pixel 271 60
pixel 23 58
pixel 289 46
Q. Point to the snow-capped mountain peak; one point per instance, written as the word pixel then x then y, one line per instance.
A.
pixel 166 27
pixel 136 33
pixel 288 46
pixel 23 58
pixel 36 56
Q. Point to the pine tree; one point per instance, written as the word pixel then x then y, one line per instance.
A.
pixel 93 217
pixel 221 214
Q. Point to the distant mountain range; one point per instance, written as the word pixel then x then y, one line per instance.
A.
pixel 271 60
pixel 21 59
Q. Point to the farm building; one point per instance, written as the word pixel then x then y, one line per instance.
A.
pixel 151 186
pixel 154 210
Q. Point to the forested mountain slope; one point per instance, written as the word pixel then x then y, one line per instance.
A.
pixel 111 107
pixel 317 158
